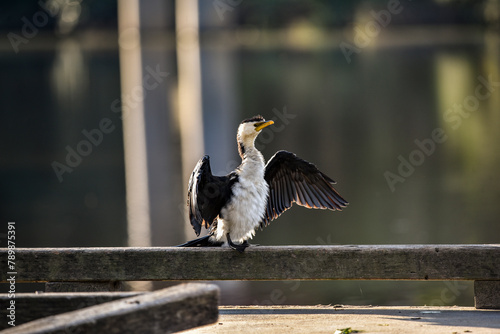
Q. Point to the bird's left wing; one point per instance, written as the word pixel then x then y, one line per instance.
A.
pixel 207 194
pixel 292 179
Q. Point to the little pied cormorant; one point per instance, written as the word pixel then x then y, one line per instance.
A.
pixel 233 206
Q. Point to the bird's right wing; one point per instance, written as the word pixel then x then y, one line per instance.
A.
pixel 294 180
pixel 207 194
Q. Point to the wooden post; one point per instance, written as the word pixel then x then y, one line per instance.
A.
pixel 487 294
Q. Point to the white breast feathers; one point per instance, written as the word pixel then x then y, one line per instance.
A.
pixel 243 213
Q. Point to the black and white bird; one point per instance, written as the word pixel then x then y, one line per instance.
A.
pixel 233 206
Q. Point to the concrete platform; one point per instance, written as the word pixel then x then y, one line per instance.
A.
pixel 364 319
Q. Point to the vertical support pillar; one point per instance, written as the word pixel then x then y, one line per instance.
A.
pixel 150 136
pixel 189 104
pixel 162 137
pixel 487 294
pixel 134 132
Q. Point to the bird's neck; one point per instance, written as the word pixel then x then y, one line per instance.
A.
pixel 252 165
pixel 245 145
pixel 248 151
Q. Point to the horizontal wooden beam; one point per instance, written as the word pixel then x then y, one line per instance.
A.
pixel 33 306
pixel 367 262
pixel 83 286
pixel 168 310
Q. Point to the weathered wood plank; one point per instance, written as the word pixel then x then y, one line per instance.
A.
pixel 487 294
pixel 83 286
pixel 32 306
pixel 164 311
pixel 388 262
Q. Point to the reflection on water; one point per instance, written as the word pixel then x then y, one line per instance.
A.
pixel 355 121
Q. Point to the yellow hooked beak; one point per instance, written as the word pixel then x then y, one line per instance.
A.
pixel 261 125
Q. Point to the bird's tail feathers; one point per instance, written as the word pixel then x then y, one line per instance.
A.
pixel 204 241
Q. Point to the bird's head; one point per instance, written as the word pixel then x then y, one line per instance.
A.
pixel 249 129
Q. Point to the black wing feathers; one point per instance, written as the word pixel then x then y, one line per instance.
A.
pixel 292 179
pixel 207 194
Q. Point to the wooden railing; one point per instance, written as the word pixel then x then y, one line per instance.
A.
pixel 90 269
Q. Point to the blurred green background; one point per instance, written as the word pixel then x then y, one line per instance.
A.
pixel 359 88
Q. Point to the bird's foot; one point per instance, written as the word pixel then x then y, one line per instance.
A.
pixel 240 248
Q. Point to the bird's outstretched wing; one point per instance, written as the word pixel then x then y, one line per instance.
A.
pixel 292 179
pixel 207 194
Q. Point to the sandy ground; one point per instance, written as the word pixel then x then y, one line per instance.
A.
pixel 363 319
